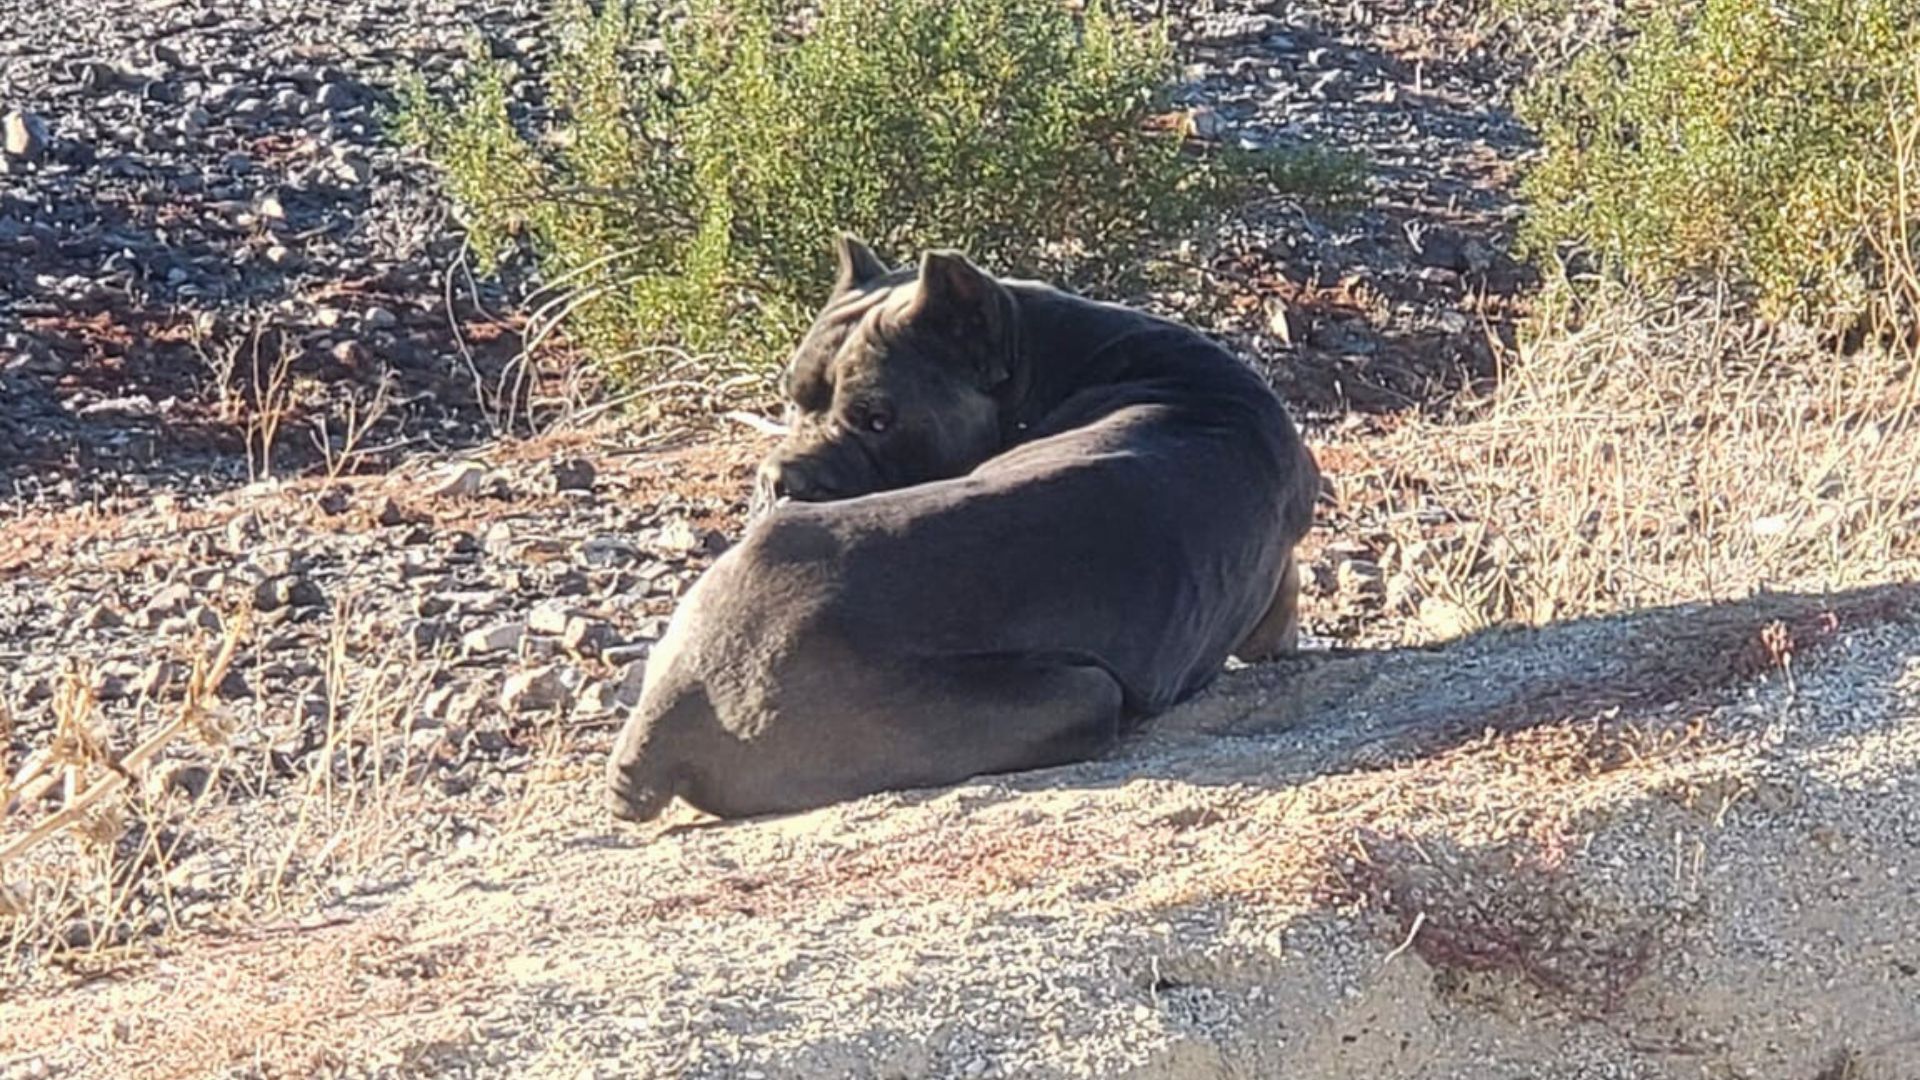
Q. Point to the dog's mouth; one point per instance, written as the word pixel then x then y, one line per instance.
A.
pixel 764 501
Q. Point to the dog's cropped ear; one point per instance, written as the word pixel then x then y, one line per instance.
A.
pixel 859 266
pixel 951 284
pixel 960 298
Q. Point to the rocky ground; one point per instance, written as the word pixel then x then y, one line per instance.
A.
pixel 249 392
pixel 192 194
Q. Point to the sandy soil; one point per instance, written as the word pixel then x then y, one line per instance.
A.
pixel 1675 844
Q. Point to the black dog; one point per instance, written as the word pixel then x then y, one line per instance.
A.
pixel 1008 520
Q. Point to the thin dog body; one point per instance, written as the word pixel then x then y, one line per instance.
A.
pixel 1006 522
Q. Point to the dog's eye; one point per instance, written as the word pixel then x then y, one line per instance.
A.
pixel 878 422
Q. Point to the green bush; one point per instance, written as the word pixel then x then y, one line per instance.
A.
pixel 1750 141
pixel 706 155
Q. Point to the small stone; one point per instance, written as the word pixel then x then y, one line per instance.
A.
pixel 181 777
pixel 497 541
pixel 426 635
pixel 609 551
pixel 423 741
pixel 168 602
pixel 287 591
pixel 379 318
pixel 1280 320
pixel 499 637
pixel 243 531
pixel 350 167
pixel 234 687
pixel 95 75
pixel 679 537
pixel 462 481
pixel 156 679
pixel 115 681
pixel 1207 123
pixel 585 637
pixel 633 653
pixel 545 549
pixel 600 696
pixel 438 704
pixel 333 97
pixel 549 619
pixel 23 135
pixel 534 690
pixel 539 649
pixel 350 353
pixel 633 678
pixel 99 616
pixel 389 513
pixel 573 474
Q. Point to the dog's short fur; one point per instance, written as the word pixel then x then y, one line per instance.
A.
pixel 1010 519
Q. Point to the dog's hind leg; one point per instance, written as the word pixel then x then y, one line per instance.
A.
pixel 1278 631
pixel 997 714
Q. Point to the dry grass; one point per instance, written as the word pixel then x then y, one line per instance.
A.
pixel 1532 925
pixel 1655 452
pixel 65 904
pixel 95 843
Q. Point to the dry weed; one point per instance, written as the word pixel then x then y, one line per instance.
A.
pixel 92 841
pixel 1644 450
pixel 1659 452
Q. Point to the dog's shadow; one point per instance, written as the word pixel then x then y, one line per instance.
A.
pixel 1336 711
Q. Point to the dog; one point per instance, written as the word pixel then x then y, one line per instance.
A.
pixel 1006 523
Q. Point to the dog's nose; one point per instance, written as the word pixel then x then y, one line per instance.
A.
pixel 790 480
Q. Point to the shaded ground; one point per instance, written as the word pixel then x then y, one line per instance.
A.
pixel 219 253
pixel 217 235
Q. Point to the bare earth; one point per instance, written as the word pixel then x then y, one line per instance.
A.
pixel 1677 844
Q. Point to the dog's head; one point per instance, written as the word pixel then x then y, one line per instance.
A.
pixel 902 379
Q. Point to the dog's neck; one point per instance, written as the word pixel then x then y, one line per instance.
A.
pixel 1062 344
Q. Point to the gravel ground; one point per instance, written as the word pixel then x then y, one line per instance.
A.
pixel 204 189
